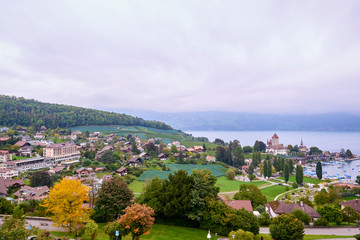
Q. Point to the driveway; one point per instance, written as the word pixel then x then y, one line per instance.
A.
pixel 41 224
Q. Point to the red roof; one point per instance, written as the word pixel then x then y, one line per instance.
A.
pixel 240 204
pixel 275 136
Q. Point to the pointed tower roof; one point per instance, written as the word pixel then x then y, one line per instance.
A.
pixel 301 143
pixel 275 136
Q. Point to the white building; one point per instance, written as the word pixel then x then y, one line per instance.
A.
pixel 274 147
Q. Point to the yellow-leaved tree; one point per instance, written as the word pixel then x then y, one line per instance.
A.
pixel 65 204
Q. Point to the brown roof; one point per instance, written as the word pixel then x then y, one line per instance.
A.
pixel 3 188
pixel 21 143
pixel 121 170
pixel 28 193
pixel 240 204
pixel 282 208
pixel 354 204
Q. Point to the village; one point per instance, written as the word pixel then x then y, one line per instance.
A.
pixel 94 158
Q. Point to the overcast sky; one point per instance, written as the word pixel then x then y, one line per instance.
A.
pixel 172 56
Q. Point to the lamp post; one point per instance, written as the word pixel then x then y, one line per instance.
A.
pixel 117 234
pixel 209 235
pixel 233 236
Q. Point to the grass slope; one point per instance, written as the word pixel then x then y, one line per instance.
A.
pixel 272 191
pixel 227 185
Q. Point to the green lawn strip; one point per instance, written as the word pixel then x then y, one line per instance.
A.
pixel 289 192
pixel 227 185
pixel 272 191
pixel 306 179
pixel 101 174
pixel 308 237
pixel 275 181
pixel 350 198
pixel 136 186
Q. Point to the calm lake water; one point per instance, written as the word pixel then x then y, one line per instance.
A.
pixel 330 141
pixel 342 169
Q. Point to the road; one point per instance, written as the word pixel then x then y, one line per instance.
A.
pixel 324 231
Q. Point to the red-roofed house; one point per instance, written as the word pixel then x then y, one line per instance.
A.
pixel 354 204
pixel 275 208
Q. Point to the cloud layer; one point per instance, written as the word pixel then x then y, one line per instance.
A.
pixel 242 56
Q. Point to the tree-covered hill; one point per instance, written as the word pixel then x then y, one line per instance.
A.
pixel 29 112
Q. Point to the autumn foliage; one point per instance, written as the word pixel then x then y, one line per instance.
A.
pixel 65 204
pixel 138 219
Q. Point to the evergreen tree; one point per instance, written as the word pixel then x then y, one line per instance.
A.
pixel 204 147
pixel 299 175
pixel 265 169
pixel 286 172
pixel 269 169
pixel 291 166
pixel 319 170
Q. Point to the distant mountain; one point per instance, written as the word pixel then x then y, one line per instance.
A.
pixel 29 112
pixel 231 121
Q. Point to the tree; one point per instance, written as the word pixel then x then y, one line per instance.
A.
pixel 269 168
pixel 113 197
pixel 299 175
pixel 219 141
pixel 252 193
pixel 203 188
pixel 247 149
pixel 41 178
pixel 134 148
pixel 315 151
pixel 262 146
pixel 330 213
pixel 348 154
pixel 302 216
pixel 286 226
pixel 65 204
pixel 251 173
pixel 358 180
pixel 220 153
pixel 265 169
pixel 138 218
pixel 91 229
pixel 257 146
pixel 319 170
pixel 350 215
pixel 241 235
pixel 230 174
pixel 5 206
pixel 286 172
pixel 13 227
pixel 291 166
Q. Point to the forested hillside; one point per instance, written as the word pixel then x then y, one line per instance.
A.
pixel 27 112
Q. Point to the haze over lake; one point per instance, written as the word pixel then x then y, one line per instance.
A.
pixel 331 141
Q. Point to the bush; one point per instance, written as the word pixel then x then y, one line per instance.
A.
pixel 321 222
pixel 295 185
pixel 302 216
pixel 285 227
pixel 230 174
pixel 316 186
pixel 241 235
pixel 357 236
pixel 264 219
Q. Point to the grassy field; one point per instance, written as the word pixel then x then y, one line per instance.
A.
pixel 227 185
pixel 306 179
pixel 272 191
pixel 137 186
pixel 165 232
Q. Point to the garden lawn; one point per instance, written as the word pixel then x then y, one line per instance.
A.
pixel 165 232
pixel 306 179
pixel 350 198
pixel 137 186
pixel 272 191
pixel 227 185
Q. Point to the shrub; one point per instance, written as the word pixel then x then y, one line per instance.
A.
pixel 286 226
pixel 302 216
pixel 321 222
pixel 357 236
pixel 241 235
pixel 230 174
pixel 264 219
pixel 316 186
pixel 295 185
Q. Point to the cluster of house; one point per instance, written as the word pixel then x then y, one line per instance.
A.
pixel 273 146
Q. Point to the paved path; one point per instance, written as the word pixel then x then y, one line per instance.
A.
pixel 324 231
pixel 41 224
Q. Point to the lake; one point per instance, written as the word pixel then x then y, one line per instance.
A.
pixel 326 141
